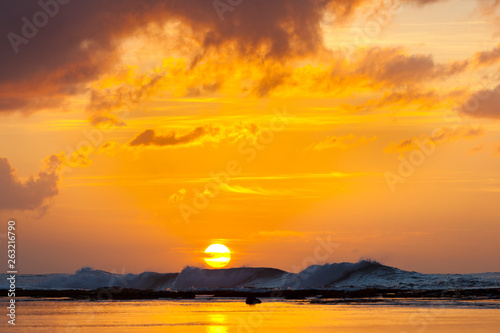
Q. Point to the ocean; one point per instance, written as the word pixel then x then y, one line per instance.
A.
pixel 346 297
pixel 273 315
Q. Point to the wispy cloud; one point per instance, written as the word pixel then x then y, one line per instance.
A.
pixel 209 133
pixel 342 142
pixel 441 135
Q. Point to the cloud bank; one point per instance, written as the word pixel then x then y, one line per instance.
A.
pixel 56 47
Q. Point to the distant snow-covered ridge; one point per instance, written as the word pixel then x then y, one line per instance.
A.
pixel 361 275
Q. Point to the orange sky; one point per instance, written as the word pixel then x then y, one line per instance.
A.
pixel 133 139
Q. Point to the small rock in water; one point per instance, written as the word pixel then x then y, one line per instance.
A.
pixel 253 300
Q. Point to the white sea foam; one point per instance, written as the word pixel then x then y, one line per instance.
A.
pixel 361 275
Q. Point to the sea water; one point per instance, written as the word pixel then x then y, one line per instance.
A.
pixel 233 315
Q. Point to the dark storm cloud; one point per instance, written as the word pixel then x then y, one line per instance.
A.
pixel 80 41
pixel 52 48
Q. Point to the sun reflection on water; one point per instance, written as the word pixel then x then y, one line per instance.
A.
pixel 218 323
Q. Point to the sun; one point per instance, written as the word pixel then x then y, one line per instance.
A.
pixel 217 255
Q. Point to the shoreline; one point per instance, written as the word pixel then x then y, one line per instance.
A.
pixel 114 293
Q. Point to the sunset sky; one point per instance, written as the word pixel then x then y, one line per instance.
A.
pixel 373 125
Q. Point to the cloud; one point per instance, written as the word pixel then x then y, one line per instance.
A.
pixel 198 135
pixel 32 193
pixel 440 135
pixel 454 133
pixel 342 142
pixel 482 104
pixel 418 97
pixel 271 79
pixel 109 148
pixel 490 9
pixel 150 137
pixel 425 98
pixel 223 74
pixel 488 57
pixel 392 67
pixel 106 119
pixel 129 90
pixel 81 40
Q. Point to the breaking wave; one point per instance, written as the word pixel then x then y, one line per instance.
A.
pixel 361 275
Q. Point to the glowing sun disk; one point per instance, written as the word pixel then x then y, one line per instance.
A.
pixel 217 255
